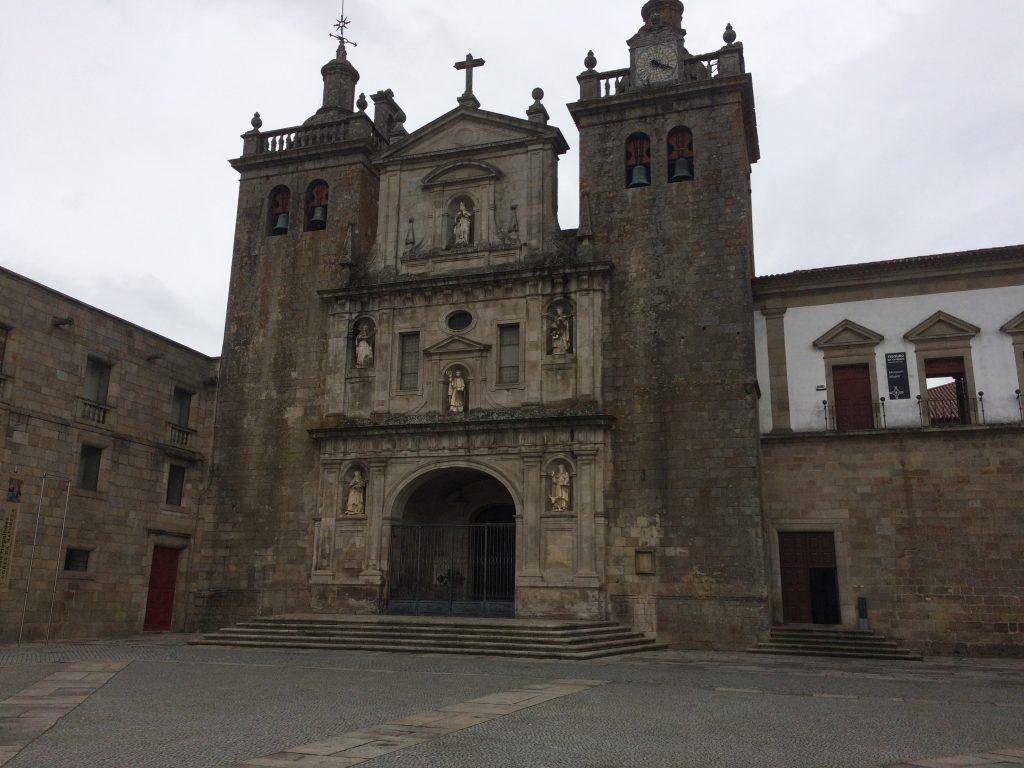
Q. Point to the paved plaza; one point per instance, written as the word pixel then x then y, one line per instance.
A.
pixel 156 702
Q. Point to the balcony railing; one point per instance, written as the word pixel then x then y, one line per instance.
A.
pixel 944 412
pixel 707 66
pixel 181 436
pixel 855 416
pixel 358 126
pixel 93 411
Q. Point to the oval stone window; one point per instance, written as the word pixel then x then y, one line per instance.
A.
pixel 459 321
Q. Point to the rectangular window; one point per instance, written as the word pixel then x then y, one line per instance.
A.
pixel 947 391
pixel 3 346
pixel 410 362
pixel 89 467
pixel 508 354
pixel 97 381
pixel 76 560
pixel 181 403
pixel 175 485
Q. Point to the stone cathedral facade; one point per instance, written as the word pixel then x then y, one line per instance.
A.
pixel 421 365
pixel 434 400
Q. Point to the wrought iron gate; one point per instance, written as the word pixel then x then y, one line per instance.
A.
pixel 452 570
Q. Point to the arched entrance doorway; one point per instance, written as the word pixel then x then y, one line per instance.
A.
pixel 452 547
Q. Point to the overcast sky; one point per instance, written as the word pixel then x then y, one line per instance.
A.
pixel 888 128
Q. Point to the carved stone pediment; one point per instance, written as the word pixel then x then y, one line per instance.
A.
pixel 461 172
pixel 463 129
pixel 848 334
pixel 457 346
pixel 942 326
pixel 1015 327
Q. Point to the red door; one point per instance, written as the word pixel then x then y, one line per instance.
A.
pixel 852 385
pixel 162 579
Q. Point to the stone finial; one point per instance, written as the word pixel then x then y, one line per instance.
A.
pixel 362 104
pixel 537 112
pixel 730 35
pixel 256 122
pixel 590 62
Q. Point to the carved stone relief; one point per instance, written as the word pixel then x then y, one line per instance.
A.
pixel 455 377
pixel 364 344
pixel 559 496
pixel 560 341
pixel 355 497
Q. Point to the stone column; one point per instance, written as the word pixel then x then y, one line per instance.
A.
pixel 531 516
pixel 778 377
pixel 535 337
pixel 586 479
pixel 337 361
pixel 384 358
pixel 374 504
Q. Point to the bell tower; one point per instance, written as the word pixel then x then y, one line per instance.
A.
pixel 666 148
pixel 307 212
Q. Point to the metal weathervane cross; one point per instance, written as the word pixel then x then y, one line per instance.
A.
pixel 339 29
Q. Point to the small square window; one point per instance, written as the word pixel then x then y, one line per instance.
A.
pixel 175 485
pixel 76 560
pixel 89 467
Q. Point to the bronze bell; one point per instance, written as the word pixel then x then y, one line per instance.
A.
pixel 319 216
pixel 281 227
pixel 682 169
pixel 638 177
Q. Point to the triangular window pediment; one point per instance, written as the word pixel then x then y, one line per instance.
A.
pixel 848 334
pixel 457 345
pixel 940 327
pixel 1015 327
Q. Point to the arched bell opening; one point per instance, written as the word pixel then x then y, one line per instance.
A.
pixel 452 547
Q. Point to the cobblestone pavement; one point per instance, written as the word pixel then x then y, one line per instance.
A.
pixel 176 705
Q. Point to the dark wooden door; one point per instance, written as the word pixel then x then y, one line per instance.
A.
pixel 163 577
pixel 810 590
pixel 852 387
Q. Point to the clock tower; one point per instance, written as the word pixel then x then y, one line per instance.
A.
pixel 666 149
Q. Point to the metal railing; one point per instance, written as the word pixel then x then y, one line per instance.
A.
pixel 936 412
pixel 849 418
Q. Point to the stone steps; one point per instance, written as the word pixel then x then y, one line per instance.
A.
pixel 489 637
pixel 833 643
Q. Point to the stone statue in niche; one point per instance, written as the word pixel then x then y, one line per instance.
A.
pixel 364 345
pixel 355 501
pixel 560 332
pixel 560 488
pixel 456 391
pixel 463 226
pixel 323 552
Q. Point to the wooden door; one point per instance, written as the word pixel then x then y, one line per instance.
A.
pixel 810 593
pixel 163 577
pixel 852 387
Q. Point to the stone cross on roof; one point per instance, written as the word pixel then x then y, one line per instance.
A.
pixel 468 99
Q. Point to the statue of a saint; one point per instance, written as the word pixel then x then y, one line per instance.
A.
pixel 355 501
pixel 456 391
pixel 560 489
pixel 561 336
pixel 463 225
pixel 364 346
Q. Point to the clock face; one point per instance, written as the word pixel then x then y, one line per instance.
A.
pixel 657 64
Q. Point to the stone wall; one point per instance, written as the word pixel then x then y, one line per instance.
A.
pixel 44 425
pixel 929 529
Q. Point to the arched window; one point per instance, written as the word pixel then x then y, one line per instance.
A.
pixel 680 154
pixel 316 205
pixel 280 209
pixel 638 161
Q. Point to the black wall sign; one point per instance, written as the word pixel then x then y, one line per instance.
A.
pixel 899 379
